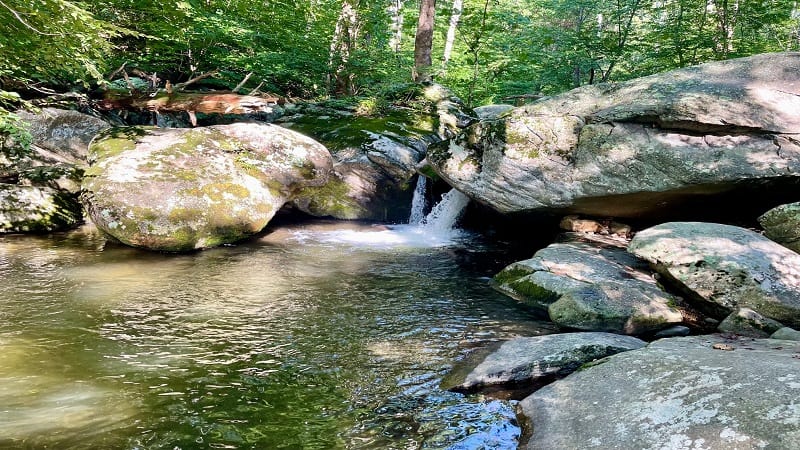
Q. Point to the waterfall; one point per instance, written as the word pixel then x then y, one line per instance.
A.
pixel 446 213
pixel 418 203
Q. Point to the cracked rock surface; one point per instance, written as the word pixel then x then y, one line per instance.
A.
pixel 630 149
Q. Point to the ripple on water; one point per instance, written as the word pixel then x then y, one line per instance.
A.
pixel 312 337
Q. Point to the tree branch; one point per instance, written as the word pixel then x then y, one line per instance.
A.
pixel 241 83
pixel 27 25
pixel 181 86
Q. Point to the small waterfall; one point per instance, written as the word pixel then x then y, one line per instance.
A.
pixel 446 213
pixel 418 202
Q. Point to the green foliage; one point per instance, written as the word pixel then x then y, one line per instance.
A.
pixel 15 139
pixel 319 48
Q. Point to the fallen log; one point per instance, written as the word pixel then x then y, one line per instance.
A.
pixel 192 102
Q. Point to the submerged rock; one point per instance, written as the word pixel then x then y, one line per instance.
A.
pixel 590 287
pixel 529 362
pixel 37 209
pixel 782 225
pixel 722 268
pixel 675 393
pixel 185 189
pixel 636 148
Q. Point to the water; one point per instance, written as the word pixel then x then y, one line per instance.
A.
pixel 292 340
pixel 418 203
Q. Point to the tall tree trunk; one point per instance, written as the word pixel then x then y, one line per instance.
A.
pixel 423 42
pixel 455 16
pixel 396 25
pixel 344 38
pixel 727 15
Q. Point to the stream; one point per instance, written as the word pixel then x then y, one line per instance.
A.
pixel 314 335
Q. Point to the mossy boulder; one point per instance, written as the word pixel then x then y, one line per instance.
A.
pixel 184 189
pixel 376 155
pixel 26 209
pixel 722 268
pixel 590 287
pixel 782 225
pixel 644 148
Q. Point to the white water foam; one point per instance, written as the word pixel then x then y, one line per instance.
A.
pixel 418 202
pixel 437 229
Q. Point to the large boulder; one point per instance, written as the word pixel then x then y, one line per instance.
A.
pixel 634 149
pixel 722 268
pixel 26 209
pixel 185 189
pixel 376 155
pixel 675 393
pixel 591 287
pixel 529 362
pixel 782 225
pixel 60 141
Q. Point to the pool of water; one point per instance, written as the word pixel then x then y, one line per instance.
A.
pixel 319 335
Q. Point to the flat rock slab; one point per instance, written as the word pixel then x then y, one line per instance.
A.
pixel 530 362
pixel 722 268
pixel 678 393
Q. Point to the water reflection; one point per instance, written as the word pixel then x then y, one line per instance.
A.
pixel 291 340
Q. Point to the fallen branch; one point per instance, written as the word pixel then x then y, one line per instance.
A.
pixel 241 83
pixel 181 86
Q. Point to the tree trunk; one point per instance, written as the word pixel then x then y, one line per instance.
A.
pixel 191 102
pixel 396 25
pixel 455 16
pixel 423 43
pixel 344 39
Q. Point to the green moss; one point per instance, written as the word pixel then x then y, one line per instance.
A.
pixel 332 199
pixel 115 141
pixel 511 273
pixel 533 291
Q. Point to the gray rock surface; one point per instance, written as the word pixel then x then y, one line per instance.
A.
pixel 786 333
pixel 590 287
pixel 37 209
pixel 746 322
pixel 185 189
pixel 62 136
pixel 722 268
pixel 533 361
pixel 782 225
pixel 488 112
pixel 677 393
pixel 629 149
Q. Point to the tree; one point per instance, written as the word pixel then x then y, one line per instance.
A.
pixel 423 42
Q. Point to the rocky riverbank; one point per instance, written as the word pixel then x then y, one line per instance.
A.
pixel 666 150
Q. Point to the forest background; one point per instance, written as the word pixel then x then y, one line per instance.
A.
pixel 486 51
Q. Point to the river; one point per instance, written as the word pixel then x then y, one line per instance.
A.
pixel 314 335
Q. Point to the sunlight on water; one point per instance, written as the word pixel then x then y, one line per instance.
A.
pixel 299 339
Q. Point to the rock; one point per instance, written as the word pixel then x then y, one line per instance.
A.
pixel 37 209
pixel 786 333
pixel 782 225
pixel 722 268
pixel 185 189
pixel 676 331
pixel 62 136
pixel 638 148
pixel 376 157
pixel 58 151
pixel 374 161
pixel 573 223
pixel 746 322
pixel 529 362
pixel 489 112
pixel 674 393
pixel 590 287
